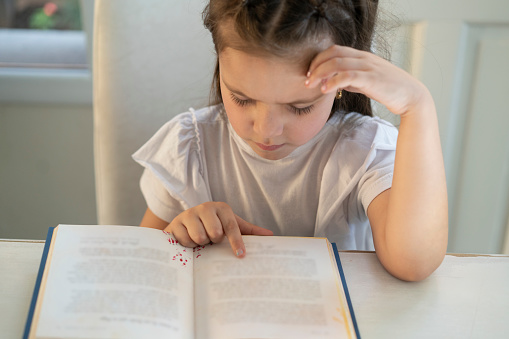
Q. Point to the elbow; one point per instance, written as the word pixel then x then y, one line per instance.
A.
pixel 413 275
pixel 419 260
pixel 414 269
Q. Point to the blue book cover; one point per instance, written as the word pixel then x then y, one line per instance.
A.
pixel 38 283
pixel 345 287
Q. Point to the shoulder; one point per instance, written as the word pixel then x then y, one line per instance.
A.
pixel 361 142
pixel 181 135
pixel 359 132
pixel 189 124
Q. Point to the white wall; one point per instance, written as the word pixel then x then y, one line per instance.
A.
pixel 46 168
pixel 46 142
pixel 459 50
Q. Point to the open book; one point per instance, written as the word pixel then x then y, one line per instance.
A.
pixel 133 282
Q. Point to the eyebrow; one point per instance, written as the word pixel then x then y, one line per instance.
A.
pixel 298 102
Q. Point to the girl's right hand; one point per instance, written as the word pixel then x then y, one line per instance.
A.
pixel 210 222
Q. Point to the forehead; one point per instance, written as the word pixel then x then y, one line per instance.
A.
pixel 267 79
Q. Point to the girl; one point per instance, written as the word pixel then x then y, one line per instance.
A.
pixel 290 146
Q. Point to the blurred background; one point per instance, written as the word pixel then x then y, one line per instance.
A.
pixel 46 121
pixel 459 49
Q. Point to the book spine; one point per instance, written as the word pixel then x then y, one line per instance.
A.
pixel 38 283
pixel 345 287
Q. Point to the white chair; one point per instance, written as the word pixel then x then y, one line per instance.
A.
pixel 151 61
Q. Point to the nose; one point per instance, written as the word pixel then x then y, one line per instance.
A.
pixel 268 123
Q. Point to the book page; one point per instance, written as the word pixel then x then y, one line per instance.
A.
pixel 116 282
pixel 285 287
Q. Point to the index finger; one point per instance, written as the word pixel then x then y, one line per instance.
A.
pixel 232 231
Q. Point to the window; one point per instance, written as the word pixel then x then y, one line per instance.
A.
pixel 42 34
pixel 48 63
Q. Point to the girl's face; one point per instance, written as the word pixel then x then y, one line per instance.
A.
pixel 268 104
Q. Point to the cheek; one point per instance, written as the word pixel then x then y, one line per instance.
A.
pixel 238 119
pixel 306 129
pixel 309 125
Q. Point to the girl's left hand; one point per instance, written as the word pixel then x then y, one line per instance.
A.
pixel 340 67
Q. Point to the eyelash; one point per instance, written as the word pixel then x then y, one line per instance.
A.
pixel 238 101
pixel 301 111
pixel 296 110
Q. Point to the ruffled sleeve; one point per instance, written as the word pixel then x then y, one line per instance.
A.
pixel 377 170
pixel 360 168
pixel 174 178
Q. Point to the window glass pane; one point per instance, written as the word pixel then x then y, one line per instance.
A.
pixel 40 14
pixel 42 34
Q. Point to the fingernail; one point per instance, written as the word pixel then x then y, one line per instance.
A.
pixel 307 82
pixel 324 88
pixel 308 74
pixel 239 252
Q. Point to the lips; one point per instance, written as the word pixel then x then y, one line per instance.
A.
pixel 269 147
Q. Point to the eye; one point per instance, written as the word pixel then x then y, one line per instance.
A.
pixel 301 111
pixel 239 101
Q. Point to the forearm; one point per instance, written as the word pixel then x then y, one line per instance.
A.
pixel 416 227
pixel 153 221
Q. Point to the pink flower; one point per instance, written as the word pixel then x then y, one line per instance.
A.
pixel 50 8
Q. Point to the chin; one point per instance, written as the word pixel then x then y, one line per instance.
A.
pixel 272 155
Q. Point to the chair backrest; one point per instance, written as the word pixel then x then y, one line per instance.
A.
pixel 151 60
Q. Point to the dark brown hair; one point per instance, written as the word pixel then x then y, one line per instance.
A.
pixel 294 29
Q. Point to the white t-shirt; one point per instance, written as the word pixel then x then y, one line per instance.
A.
pixel 322 189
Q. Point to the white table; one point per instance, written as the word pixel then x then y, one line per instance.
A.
pixel 467 297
